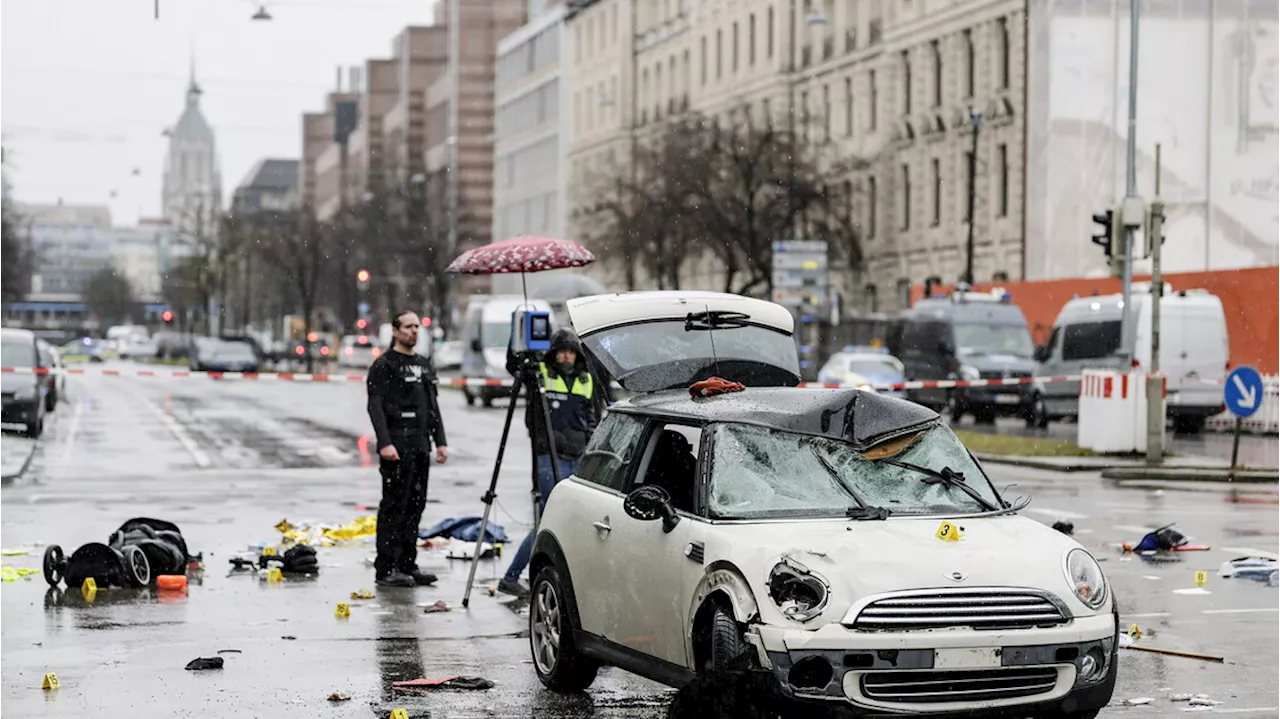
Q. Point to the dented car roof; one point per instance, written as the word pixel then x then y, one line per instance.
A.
pixel 860 418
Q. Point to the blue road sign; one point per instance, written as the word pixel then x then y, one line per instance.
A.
pixel 1243 393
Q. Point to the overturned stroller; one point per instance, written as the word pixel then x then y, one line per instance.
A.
pixel 135 554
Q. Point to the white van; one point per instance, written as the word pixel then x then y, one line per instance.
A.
pixel 425 346
pixel 485 334
pixel 1193 352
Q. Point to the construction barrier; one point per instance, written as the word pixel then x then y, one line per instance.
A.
pixel 1265 421
pixel 1113 411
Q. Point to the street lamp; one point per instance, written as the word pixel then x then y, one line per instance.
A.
pixel 975 118
pixel 262 13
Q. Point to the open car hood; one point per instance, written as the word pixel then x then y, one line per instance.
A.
pixel 651 341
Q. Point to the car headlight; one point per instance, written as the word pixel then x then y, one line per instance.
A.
pixel 1086 579
pixel 798 591
pixel 969 373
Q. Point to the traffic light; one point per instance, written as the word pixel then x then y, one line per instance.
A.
pixel 362 279
pixel 167 316
pixel 1107 236
pixel 362 323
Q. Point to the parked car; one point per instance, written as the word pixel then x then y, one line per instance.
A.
pixel 213 354
pixel 842 547
pixel 864 367
pixel 85 349
pixel 24 392
pixel 448 355
pixel 56 380
pixel 137 346
pixel 357 351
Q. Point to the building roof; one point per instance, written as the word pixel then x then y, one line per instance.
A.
pixel 192 124
pixel 272 175
pixel 860 418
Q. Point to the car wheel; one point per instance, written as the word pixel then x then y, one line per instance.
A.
pixel 1188 425
pixel 556 658
pixel 727 643
pixel 955 408
pixel 1037 415
pixel 486 400
pixel 471 399
pixel 51 401
pixel 35 426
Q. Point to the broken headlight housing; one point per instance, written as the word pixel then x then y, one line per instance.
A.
pixel 797 590
pixel 1086 578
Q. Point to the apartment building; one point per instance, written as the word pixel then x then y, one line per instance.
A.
pixel 528 182
pixel 896 84
pixel 481 24
pixel 421 57
pixel 323 172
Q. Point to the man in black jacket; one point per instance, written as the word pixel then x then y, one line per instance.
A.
pixel 574 399
pixel 406 419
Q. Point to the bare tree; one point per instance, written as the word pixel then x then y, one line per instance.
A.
pixel 758 183
pixel 17 253
pixel 302 248
pixel 110 296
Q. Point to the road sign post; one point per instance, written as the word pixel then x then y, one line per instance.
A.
pixel 1243 396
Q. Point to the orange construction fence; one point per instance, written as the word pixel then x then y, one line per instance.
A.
pixel 1249 299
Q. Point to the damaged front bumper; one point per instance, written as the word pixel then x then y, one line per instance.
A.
pixel 1071 666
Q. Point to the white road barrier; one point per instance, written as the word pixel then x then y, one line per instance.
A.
pixel 1113 411
pixel 1265 421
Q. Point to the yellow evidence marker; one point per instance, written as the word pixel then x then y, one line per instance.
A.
pixel 88 585
pixel 948 532
pixel 50 681
pixel 342 611
pixel 1202 578
pixel 268 551
pixel 399 714
pixel 275 575
pixel 1134 632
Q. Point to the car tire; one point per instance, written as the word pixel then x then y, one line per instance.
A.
pixel 955 408
pixel 560 665
pixel 51 401
pixel 35 426
pixel 486 400
pixel 727 643
pixel 1188 425
pixel 471 399
pixel 1037 414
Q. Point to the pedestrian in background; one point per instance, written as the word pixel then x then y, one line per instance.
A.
pixel 405 412
pixel 573 399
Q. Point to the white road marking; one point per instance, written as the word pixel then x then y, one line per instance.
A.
pixel 1148 615
pixel 179 433
pixel 71 433
pixel 1249 710
pixel 1255 610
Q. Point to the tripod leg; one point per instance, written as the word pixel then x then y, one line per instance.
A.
pixel 555 455
pixel 491 494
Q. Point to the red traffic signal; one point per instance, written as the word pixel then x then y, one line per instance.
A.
pixel 362 323
pixel 362 276
pixel 167 316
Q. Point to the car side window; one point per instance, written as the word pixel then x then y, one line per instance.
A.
pixel 673 463
pixel 612 450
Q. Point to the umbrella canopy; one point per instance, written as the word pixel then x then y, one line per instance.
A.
pixel 521 254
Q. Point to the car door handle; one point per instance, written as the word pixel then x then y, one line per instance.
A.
pixel 602 526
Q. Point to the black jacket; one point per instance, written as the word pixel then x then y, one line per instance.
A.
pixel 399 384
pixel 573 418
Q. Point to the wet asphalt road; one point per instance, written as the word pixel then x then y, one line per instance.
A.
pixel 227 460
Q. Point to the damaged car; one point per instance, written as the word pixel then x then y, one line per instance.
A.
pixel 838 548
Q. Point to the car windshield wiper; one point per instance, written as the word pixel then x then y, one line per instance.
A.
pixel 715 320
pixel 863 510
pixel 947 477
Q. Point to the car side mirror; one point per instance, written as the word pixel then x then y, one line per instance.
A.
pixel 1041 354
pixel 650 502
pixel 476 346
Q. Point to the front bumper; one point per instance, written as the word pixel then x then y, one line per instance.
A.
pixel 945 671
pixel 1004 399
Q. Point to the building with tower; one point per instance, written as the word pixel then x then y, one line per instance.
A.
pixel 192 192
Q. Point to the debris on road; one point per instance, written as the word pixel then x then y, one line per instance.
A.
pixel 327 535
pixel 1138 701
pixel 466 529
pixel 1255 568
pixel 364 593
pixel 289 637
pixel 1169 652
pixel 14 552
pixel 439 606
pixel 467 550
pixel 455 681
pixel 13 574
pixel 339 697
pixel 202 663
pixel 1164 539
pixel 1065 527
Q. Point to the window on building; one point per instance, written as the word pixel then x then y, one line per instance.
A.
pixel 969 185
pixel 767 111
pixel 735 47
pixel 657 92
pixel 937 191
pixel 848 106
pixel 906 197
pixel 1002 36
pixel 703 53
pixel 970 67
pixel 613 22
pixel 674 90
pixel 873 101
pixel 577 43
pixel 719 53
pixel 769 44
pixel 1002 157
pixel 751 40
pixel 936 50
pixel 804 115
pixel 873 303
pixel 905 61
pixel 685 84
pixel 826 113
pixel 872 200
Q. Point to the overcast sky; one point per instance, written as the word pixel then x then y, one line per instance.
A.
pixel 88 86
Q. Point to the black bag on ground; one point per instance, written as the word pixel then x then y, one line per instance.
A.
pixel 161 541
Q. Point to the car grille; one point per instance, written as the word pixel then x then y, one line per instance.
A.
pixel 979 685
pixel 1001 374
pixel 983 609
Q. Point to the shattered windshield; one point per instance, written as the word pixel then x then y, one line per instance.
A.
pixel 758 472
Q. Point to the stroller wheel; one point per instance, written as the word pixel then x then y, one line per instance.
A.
pixel 137 567
pixel 55 563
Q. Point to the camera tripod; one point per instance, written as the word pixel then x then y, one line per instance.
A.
pixel 529 376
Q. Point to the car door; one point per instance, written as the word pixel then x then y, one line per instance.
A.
pixel 583 509
pixel 653 580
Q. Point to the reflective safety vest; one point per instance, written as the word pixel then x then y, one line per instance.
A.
pixel 582 385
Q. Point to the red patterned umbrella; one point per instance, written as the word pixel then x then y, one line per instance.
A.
pixel 521 254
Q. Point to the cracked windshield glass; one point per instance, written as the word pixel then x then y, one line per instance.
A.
pixel 640 358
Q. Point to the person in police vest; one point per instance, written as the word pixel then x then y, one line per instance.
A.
pixel 573 399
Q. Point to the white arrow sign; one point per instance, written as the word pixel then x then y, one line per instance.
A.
pixel 1248 395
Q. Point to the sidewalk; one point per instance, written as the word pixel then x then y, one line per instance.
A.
pixel 15 456
pixel 1122 468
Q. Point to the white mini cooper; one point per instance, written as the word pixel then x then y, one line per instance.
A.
pixel 844 544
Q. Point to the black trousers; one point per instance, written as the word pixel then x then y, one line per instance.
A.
pixel 404 497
